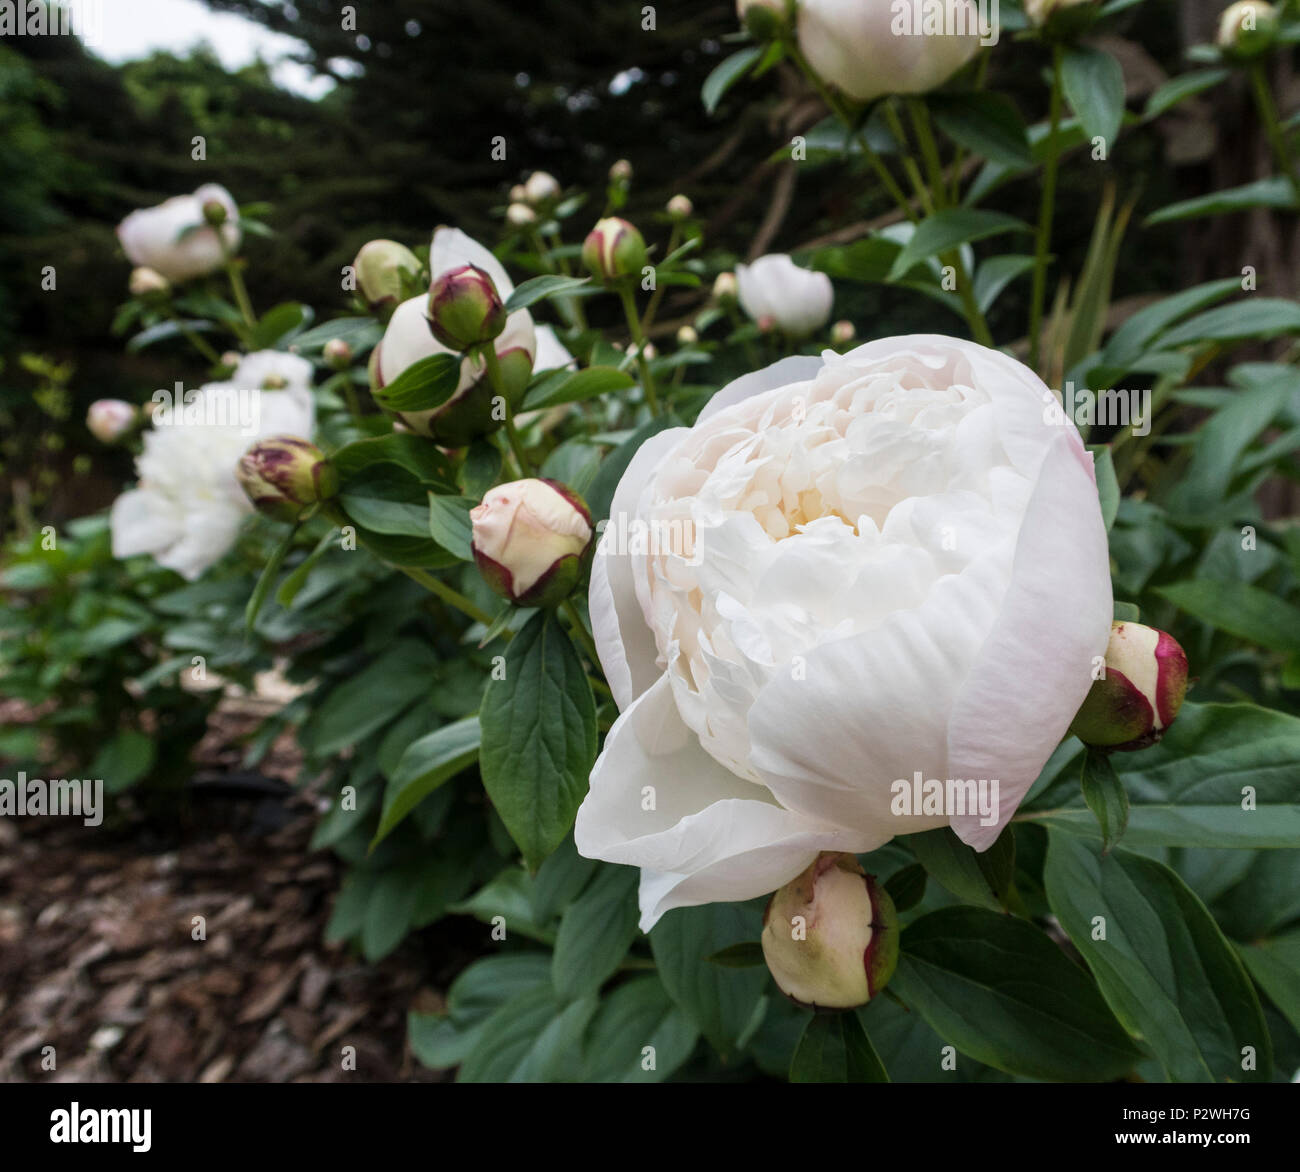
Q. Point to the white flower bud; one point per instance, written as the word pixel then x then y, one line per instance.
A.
pixel 725 288
pixel 688 336
pixel 541 188
pixel 1247 28
pixel 108 420
pixel 842 333
pixel 680 207
pixel 146 282
pixel 520 215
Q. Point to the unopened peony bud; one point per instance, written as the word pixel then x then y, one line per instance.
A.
pixel 842 333
pixel 231 359
pixel 541 188
pixel 1247 28
pixel 465 309
pixel 764 19
pixel 337 353
pixel 688 336
pixel 520 215
pixel 529 539
pixel 680 207
pixel 830 935
pixel 648 351
pixel 1143 688
pixel 1041 11
pixel 379 269
pixel 725 289
pixel 614 250
pixel 621 172
pixel 284 474
pixel 108 420
pixel 518 193
pixel 215 212
pixel 146 282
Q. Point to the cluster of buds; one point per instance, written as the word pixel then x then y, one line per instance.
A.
pixel 283 475
pixel 383 268
pixel 830 935
pixel 530 539
pixel 614 251
pixel 1135 700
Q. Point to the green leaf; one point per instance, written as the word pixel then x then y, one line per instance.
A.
pixel 985 123
pixel 572 386
pixel 386 499
pixel 426 765
pixel 1106 797
pixel 1107 486
pixel 1094 86
pixel 539 737
pixel 982 878
pixel 423 385
pixel 995 274
pixel 835 1048
pixel 278 323
pixel 412 453
pixel 1225 775
pixel 740 956
pixel 361 333
pixel 595 933
pixel 1240 609
pixel 450 525
pixel 721 1002
pixel 725 75
pixel 637 1025
pixel 297 578
pixel 540 288
pixel 1255 317
pixel 124 760
pixel 166 329
pixel 1275 966
pixel 1160 960
pixel 601 494
pixel 1127 343
pixel 1274 192
pixel 949 228
pixel 480 469
pixel 1000 991
pixel 906 886
pixel 1179 89
pixel 532 1038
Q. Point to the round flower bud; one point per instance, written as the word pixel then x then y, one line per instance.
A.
pixel 337 353
pixel 621 172
pixel 613 250
pixel 147 282
pixel 688 336
pixel 1139 695
pixel 648 351
pixel 231 359
pixel 215 212
pixel 764 19
pixel 680 207
pixel 518 193
pixel 520 215
pixel 830 935
pixel 1247 28
pixel 725 289
pixel 108 420
pixel 842 332
pixel 541 188
pixel 283 475
pixel 465 309
pixel 379 269
pixel 529 539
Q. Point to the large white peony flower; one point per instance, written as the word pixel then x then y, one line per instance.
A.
pixel 850 570
pixel 796 301
pixel 187 508
pixel 157 237
pixel 868 48
pixel 408 338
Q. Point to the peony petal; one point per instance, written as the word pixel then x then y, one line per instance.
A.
pixel 1035 669
pixel 709 837
pixel 798 369
pixel 142 521
pixel 452 248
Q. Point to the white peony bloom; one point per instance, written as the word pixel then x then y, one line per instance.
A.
pixel 552 354
pixel 852 570
pixel 157 237
pixel 869 48
pixel 796 301
pixel 408 338
pixel 187 507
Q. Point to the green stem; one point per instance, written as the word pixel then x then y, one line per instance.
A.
pixel 638 340
pixel 195 340
pixel 237 286
pixel 580 631
pixel 1046 209
pixel 658 295
pixel 1268 115
pixel 498 384
pixel 920 116
pixel 451 597
pixel 909 163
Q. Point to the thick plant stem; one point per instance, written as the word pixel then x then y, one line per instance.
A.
pixel 498 384
pixel 1276 136
pixel 920 116
pixel 638 340
pixel 1046 209
pixel 453 598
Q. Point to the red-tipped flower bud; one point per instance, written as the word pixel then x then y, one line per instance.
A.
pixel 1139 695
pixel 382 268
pixel 529 540
pixel 285 474
pixel 465 309
pixel 613 251
pixel 830 935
